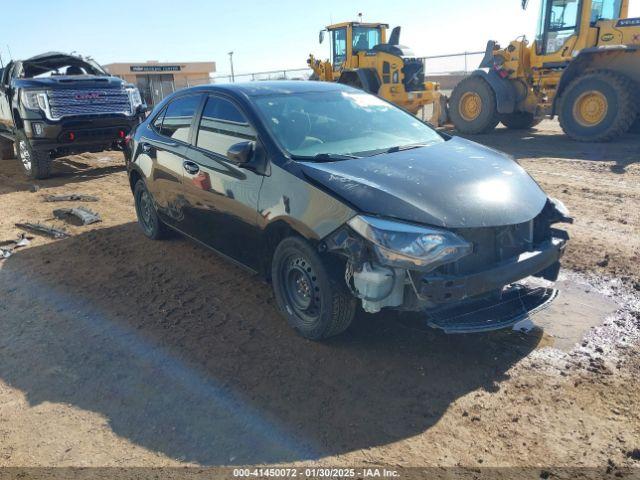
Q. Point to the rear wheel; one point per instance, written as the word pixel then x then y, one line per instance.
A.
pixel 148 219
pixel 472 106
pixel 310 291
pixel 597 107
pixel 519 120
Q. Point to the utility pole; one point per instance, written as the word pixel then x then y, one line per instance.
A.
pixel 233 78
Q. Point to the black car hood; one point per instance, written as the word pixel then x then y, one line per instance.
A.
pixel 454 184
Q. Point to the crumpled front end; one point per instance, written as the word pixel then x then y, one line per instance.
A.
pixel 466 275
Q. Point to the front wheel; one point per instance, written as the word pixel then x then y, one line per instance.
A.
pixel 310 291
pixel 597 107
pixel 472 106
pixel 35 163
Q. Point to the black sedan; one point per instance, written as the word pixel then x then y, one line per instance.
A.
pixel 337 196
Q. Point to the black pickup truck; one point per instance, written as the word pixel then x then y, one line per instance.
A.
pixel 55 104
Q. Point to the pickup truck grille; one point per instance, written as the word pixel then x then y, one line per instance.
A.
pixel 70 102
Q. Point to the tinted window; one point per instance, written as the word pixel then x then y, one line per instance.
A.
pixel 157 123
pixel 178 116
pixel 221 126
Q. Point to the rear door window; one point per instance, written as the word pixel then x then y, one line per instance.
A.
pixel 178 116
pixel 221 126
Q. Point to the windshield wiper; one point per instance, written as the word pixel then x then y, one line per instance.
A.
pixel 400 148
pixel 326 157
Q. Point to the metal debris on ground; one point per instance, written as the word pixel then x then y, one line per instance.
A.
pixel 70 198
pixel 43 229
pixel 21 241
pixel 85 215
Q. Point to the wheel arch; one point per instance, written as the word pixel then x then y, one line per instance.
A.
pixel 614 58
pixel 367 77
pixel 276 231
pixel 504 91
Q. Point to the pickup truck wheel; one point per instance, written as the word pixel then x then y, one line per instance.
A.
pixel 35 163
pixel 7 150
pixel 310 291
pixel 148 219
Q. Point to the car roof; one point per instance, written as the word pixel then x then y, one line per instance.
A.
pixel 275 87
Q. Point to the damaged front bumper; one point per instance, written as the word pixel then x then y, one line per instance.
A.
pixel 542 262
pixel 469 300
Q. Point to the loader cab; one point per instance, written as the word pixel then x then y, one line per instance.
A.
pixel 350 38
pixel 563 25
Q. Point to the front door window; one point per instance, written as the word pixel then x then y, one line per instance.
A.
pixel 339 46
pixel 559 20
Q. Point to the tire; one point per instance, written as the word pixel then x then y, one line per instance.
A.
pixel 35 163
pixel 148 219
pixel 519 120
pixel 310 291
pixel 472 106
pixel 7 149
pixel 597 107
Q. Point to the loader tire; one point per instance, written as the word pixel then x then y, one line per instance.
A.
pixel 472 106
pixel 598 107
pixel 35 163
pixel 519 120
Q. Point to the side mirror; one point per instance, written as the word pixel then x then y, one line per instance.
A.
pixel 240 153
pixel 321 36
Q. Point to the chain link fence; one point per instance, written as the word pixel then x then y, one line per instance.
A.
pixel 447 64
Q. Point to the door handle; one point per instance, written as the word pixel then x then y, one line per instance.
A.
pixel 191 167
pixel 146 148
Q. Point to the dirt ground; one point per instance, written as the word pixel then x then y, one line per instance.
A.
pixel 119 351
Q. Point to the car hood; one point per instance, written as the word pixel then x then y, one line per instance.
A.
pixel 454 184
pixel 71 81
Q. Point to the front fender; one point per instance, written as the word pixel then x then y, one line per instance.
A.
pixel 503 89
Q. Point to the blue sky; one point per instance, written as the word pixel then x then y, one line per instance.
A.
pixel 264 35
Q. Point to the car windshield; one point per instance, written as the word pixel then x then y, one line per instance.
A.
pixel 340 123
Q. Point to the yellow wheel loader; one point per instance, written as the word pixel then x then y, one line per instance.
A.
pixel 584 67
pixel 362 57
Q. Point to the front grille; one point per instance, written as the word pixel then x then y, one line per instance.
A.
pixel 69 102
pixel 492 245
pixel 413 70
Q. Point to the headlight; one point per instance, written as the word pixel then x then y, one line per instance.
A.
pixel 35 99
pixel 404 245
pixel 134 98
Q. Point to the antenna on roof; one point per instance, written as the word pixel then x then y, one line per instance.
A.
pixel 360 17
pixel 9 49
pixel 1 62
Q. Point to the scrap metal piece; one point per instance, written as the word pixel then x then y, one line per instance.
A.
pixel 43 229
pixel 85 215
pixel 70 198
